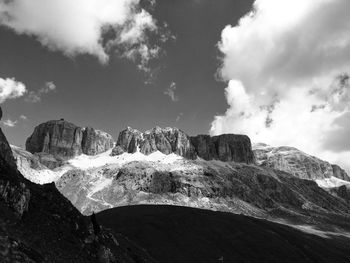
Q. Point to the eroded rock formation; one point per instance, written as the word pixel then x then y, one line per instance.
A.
pixel 226 148
pixel 58 140
pixel 167 141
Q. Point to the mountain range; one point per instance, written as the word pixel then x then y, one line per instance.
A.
pixel 278 193
pixel 166 166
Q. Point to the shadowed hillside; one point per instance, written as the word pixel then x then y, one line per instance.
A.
pixel 179 234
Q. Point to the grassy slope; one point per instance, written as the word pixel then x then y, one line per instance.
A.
pixel 180 234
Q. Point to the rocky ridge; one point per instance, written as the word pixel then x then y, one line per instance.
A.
pixel 226 147
pixel 297 163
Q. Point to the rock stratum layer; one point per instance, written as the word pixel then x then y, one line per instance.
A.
pixel 227 147
pixel 58 140
pixel 297 163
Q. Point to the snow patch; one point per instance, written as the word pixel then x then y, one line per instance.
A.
pixel 331 182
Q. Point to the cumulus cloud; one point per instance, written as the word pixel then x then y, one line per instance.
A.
pixel 95 27
pixel 10 123
pixel 11 89
pixel 287 64
pixel 170 91
pixel 35 96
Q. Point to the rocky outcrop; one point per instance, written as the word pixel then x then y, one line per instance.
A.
pixel 340 173
pixel 6 152
pixel 296 162
pixel 58 140
pixel 167 141
pixel 95 141
pixel 226 148
pixel 13 192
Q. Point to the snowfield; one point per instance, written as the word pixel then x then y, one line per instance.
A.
pixel 171 162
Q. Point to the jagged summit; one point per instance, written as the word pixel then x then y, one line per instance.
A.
pixel 167 141
pixel 226 147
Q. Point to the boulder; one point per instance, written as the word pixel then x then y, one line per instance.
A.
pixel 226 148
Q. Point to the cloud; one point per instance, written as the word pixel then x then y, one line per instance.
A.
pixel 287 64
pixel 170 91
pixel 35 96
pixel 95 27
pixel 10 123
pixel 23 117
pixel 178 117
pixel 11 89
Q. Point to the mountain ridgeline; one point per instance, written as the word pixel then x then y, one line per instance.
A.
pixel 226 147
pixel 59 140
pixel 168 167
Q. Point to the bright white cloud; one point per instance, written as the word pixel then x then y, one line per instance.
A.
pixel 35 96
pixel 74 27
pixel 11 89
pixel 286 63
pixel 10 123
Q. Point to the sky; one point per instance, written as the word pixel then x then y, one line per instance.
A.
pixel 276 70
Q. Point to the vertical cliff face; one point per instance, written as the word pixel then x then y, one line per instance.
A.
pixel 167 141
pixel 95 141
pixel 340 173
pixel 226 147
pixel 58 140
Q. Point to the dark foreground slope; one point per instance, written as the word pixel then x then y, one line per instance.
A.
pixel 180 234
pixel 38 224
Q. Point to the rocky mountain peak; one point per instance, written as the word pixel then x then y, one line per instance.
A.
pixel 296 162
pixel 58 140
pixel 227 147
pixel 167 141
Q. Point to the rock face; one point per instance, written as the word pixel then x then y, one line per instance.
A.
pixel 59 140
pixel 226 148
pixel 167 141
pixel 95 141
pixel 340 173
pixel 296 162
